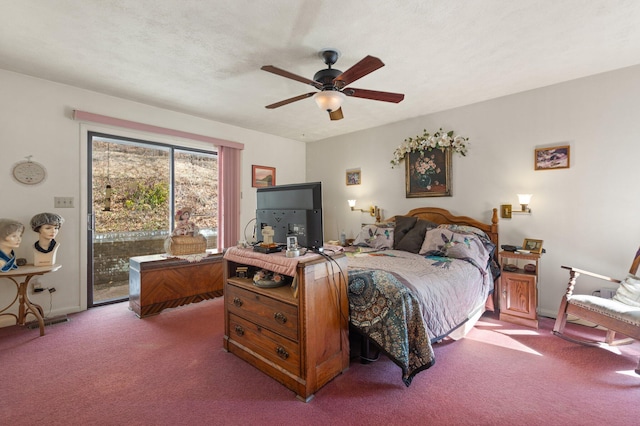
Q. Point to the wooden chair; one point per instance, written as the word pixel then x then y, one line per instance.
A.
pixel 612 314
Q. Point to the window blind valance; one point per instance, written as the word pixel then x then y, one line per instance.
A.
pixel 127 124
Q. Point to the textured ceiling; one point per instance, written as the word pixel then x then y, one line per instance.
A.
pixel 203 57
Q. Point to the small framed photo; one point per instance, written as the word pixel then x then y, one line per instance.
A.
pixel 354 177
pixel 534 246
pixel 555 157
pixel 262 176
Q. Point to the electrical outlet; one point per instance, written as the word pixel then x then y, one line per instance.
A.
pixel 36 287
pixel 63 202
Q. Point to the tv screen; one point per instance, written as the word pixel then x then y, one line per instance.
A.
pixel 292 211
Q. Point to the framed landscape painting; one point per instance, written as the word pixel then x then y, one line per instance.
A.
pixel 428 173
pixel 555 157
pixel 263 176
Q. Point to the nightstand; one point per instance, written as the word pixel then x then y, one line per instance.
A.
pixel 519 288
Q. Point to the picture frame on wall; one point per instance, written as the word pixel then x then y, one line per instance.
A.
pixel 262 176
pixel 534 246
pixel 555 157
pixel 428 173
pixel 354 177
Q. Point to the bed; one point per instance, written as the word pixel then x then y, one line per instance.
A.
pixel 419 278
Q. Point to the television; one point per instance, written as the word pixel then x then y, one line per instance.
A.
pixel 293 210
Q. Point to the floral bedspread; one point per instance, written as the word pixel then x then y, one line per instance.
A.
pixel 404 302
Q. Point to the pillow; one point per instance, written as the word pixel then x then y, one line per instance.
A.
pixel 375 236
pixel 629 291
pixel 467 229
pixel 413 239
pixel 457 245
pixel 464 229
pixel 403 225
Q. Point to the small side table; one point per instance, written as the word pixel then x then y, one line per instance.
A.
pixel 519 289
pixel 26 307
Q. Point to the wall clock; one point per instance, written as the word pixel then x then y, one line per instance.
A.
pixel 29 172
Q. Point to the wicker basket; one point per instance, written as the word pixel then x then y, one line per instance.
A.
pixel 178 245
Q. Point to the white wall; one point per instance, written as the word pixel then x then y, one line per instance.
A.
pixel 587 215
pixel 35 119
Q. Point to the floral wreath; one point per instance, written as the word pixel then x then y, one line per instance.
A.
pixel 427 142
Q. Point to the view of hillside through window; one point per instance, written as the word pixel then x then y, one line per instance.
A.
pixel 140 187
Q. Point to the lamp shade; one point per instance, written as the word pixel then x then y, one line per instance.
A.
pixel 524 198
pixel 352 203
pixel 329 100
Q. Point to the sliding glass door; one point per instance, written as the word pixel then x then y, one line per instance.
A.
pixel 136 188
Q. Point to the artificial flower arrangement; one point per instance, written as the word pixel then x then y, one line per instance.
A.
pixel 427 142
pixel 264 278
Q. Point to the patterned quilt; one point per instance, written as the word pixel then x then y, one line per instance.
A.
pixel 404 302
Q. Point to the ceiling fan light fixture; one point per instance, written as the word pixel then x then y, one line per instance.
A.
pixel 329 100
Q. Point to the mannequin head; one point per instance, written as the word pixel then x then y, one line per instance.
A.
pixel 10 234
pixel 41 219
pixel 47 225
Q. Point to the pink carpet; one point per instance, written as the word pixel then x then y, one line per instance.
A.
pixel 107 367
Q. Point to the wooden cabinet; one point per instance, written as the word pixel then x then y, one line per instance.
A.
pixel 157 282
pixel 297 334
pixel 519 288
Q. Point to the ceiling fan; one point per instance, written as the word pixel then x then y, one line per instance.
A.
pixel 333 83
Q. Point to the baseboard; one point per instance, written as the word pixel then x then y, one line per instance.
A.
pixel 47 321
pixel 570 319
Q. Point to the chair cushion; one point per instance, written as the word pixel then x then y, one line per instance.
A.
pixel 609 307
pixel 629 291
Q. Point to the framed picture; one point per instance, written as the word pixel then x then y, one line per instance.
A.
pixel 262 176
pixel 534 246
pixel 555 157
pixel 428 173
pixel 354 177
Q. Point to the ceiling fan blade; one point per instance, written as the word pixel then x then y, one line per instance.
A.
pixel 336 115
pixel 290 100
pixel 292 76
pixel 366 66
pixel 374 95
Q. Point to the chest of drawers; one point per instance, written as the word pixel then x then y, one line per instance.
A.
pixel 296 334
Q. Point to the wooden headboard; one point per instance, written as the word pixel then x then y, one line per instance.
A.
pixel 442 216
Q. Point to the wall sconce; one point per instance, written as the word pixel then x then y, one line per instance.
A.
pixel 524 200
pixel 505 211
pixel 373 210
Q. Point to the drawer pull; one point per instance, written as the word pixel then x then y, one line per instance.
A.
pixel 239 330
pixel 237 301
pixel 280 317
pixel 282 352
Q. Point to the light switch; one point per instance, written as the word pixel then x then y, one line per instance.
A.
pixel 63 202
